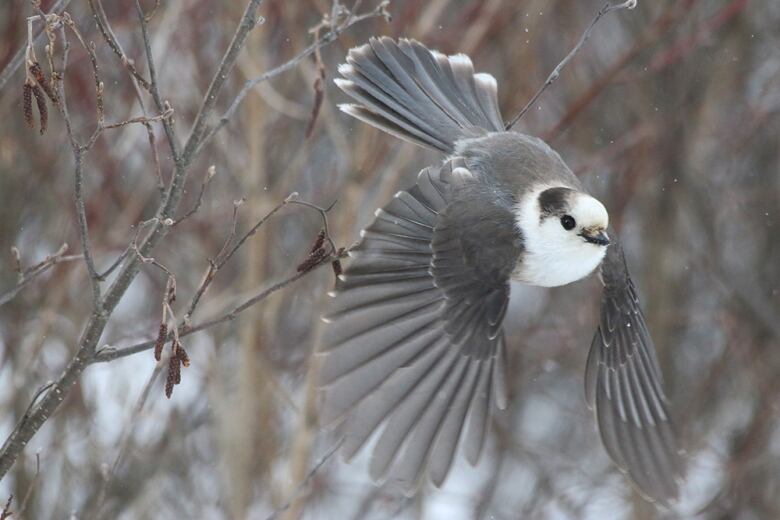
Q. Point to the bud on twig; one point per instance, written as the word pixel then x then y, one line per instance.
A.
pixel 16 255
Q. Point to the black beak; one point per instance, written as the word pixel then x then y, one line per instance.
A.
pixel 600 238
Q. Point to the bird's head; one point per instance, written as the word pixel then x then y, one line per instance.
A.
pixel 567 215
pixel 565 235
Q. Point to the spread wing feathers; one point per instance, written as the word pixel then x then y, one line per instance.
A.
pixel 419 95
pixel 394 351
pixel 623 383
pixel 475 249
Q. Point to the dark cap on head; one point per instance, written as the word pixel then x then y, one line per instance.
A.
pixel 555 201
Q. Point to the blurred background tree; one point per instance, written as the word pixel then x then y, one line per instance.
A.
pixel 670 114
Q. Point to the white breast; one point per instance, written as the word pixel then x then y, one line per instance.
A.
pixel 552 267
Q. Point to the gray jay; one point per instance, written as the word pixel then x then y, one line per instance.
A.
pixel 413 348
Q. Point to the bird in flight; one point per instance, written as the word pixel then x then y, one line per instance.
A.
pixel 414 348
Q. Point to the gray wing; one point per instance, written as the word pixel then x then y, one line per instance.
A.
pixel 623 383
pixel 413 341
pixel 419 95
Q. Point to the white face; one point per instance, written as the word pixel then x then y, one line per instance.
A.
pixel 562 247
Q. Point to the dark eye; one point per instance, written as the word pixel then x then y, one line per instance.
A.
pixel 568 222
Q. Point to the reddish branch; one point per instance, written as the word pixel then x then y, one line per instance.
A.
pixel 105 304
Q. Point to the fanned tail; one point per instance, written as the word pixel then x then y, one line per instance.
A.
pixel 419 95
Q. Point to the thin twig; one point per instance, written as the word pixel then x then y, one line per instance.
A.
pixel 26 414
pixel 31 487
pixel 124 443
pixel 116 263
pixel 105 29
pixel 674 11
pixel 225 254
pixel 151 261
pixel 6 512
pixel 211 171
pixel 87 344
pixel 29 274
pixel 90 48
pixel 110 354
pixel 319 81
pixel 62 106
pixel 46 262
pixel 136 80
pixel 81 212
pixel 329 37
pixel 170 130
pixel 323 215
pixel 305 482
pixel 223 258
pixel 19 57
pixel 628 4
pixel 248 22
pixel 79 149
pixel 131 247
pixel 144 120
pixel 214 265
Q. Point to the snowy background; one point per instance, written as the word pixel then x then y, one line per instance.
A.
pixel 670 114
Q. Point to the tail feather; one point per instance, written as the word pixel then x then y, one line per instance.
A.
pixel 419 95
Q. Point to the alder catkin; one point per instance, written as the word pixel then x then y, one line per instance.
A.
pixel 27 105
pixel 42 110
pixel 162 335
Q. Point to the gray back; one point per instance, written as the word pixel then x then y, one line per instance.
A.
pixel 516 162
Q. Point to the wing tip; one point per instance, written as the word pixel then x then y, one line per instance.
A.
pixel 461 60
pixel 345 69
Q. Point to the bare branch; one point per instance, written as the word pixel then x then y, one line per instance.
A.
pixel 6 512
pixel 305 482
pixel 110 354
pixel 105 29
pixel 90 48
pixel 210 173
pixel 131 247
pixel 28 275
pixel 19 57
pixel 78 149
pixel 135 78
pixel 170 130
pixel 214 265
pixel 248 22
pixel 31 487
pixel 87 343
pixel 124 443
pixel 185 328
pixel 144 120
pixel 293 199
pixel 628 4
pixel 81 211
pixel 319 82
pixel 330 36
